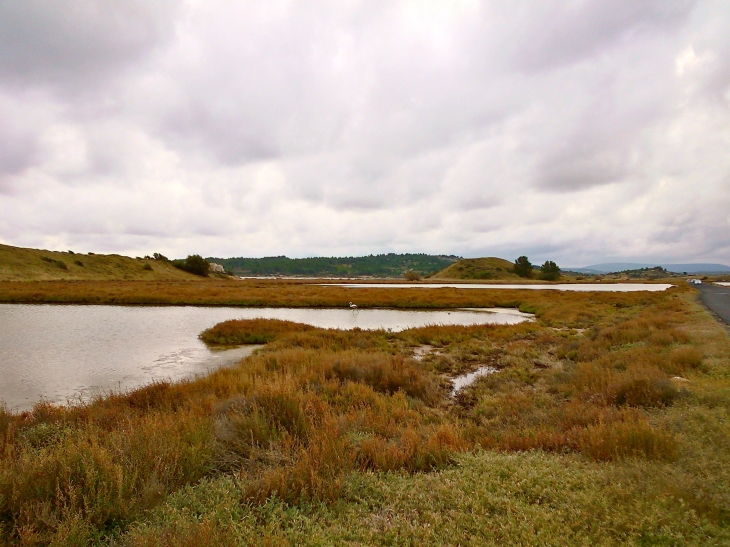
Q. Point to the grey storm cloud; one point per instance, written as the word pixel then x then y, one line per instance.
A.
pixel 48 41
pixel 572 130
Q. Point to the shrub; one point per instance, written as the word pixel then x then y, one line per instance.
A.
pixel 523 267
pixel 686 358
pixel 630 438
pixel 549 271
pixel 645 392
pixel 147 267
pixel 58 263
pixel 194 264
pixel 250 331
pixel 412 275
pixel 386 375
pixel 79 263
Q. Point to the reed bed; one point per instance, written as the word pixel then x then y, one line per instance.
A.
pixel 324 423
pixel 560 307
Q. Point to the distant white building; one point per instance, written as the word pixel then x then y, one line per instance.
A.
pixel 216 268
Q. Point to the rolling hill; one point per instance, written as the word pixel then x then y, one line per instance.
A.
pixel 478 268
pixel 21 264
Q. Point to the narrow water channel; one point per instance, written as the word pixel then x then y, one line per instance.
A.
pixel 574 287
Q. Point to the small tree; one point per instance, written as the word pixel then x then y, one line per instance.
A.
pixel 412 275
pixel 523 267
pixel 549 271
pixel 194 264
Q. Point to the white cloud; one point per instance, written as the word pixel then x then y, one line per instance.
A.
pixel 570 131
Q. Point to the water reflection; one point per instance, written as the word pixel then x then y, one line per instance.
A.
pixel 71 352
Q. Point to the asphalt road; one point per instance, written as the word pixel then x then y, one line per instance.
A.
pixel 717 298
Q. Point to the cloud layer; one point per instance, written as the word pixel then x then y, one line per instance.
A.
pixel 573 131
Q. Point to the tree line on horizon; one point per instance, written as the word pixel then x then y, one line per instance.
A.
pixel 382 265
pixel 385 265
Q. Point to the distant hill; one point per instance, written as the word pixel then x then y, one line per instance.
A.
pixel 657 272
pixel 478 268
pixel 384 265
pixel 612 267
pixel 20 264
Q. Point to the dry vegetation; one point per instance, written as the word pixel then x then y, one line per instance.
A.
pixel 20 264
pixel 566 308
pixel 607 423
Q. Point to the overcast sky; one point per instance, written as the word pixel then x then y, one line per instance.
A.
pixel 574 130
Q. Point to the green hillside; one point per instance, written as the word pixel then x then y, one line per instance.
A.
pixel 478 268
pixel 20 264
pixel 385 265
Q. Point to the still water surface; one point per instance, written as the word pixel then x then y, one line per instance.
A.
pixel 579 287
pixel 59 353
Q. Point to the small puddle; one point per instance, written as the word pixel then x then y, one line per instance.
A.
pixel 460 382
pixel 421 351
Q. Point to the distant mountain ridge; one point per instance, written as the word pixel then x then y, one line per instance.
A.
pixel 613 267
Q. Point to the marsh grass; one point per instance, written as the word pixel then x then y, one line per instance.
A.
pixel 254 331
pixel 329 424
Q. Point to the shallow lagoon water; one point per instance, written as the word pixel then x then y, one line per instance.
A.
pixel 71 352
pixel 579 287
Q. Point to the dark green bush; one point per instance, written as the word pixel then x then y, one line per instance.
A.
pixel 549 271
pixel 523 267
pixel 194 264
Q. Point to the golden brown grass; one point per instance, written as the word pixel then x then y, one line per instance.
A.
pixel 558 308
pixel 252 331
pixel 20 264
pixel 298 419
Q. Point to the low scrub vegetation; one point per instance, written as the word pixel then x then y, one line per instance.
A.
pixel 606 423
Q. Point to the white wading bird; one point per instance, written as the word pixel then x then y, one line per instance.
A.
pixel 353 306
